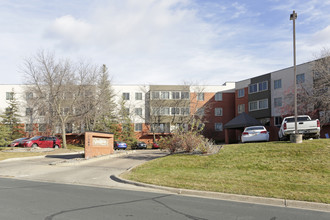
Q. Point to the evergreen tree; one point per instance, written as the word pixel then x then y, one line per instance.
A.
pixel 105 117
pixel 127 130
pixel 10 118
pixel 4 135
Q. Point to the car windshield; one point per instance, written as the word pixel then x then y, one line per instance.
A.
pixel 254 128
pixel 35 138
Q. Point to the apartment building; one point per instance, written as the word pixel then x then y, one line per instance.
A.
pixel 156 110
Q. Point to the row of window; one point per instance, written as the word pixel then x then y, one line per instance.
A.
pixel 138 96
pixel 170 111
pixel 161 128
pixel 263 86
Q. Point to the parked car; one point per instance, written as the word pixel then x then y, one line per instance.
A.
pixel 43 142
pixel 255 133
pixel 120 145
pixel 140 145
pixel 18 142
pixel 305 125
pixel 155 145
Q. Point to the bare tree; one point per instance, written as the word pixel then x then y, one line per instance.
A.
pixel 321 91
pixel 62 89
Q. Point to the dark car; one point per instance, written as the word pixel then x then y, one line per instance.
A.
pixel 120 145
pixel 43 142
pixel 155 145
pixel 18 142
pixel 140 145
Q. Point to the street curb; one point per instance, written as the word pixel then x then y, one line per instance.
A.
pixel 36 157
pixel 233 197
pixel 71 162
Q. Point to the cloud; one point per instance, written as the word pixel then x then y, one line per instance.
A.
pixel 70 29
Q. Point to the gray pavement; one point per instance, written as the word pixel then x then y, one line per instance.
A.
pixel 104 172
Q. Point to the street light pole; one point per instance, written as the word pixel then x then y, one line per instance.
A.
pixel 293 17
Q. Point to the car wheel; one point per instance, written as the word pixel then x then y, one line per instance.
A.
pixel 56 146
pixel 34 145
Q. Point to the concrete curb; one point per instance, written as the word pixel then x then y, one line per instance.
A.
pixel 71 162
pixel 36 157
pixel 233 197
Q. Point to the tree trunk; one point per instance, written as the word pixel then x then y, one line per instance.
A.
pixel 63 136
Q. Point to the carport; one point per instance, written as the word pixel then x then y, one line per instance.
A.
pixel 235 127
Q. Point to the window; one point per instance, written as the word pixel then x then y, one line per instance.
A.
pixel 263 86
pixel 175 111
pixel 155 111
pixel 42 127
pixel 138 127
pixel 241 108
pixel 138 111
pixel 125 96
pixel 155 95
pixel 138 96
pixel 28 127
pixel 253 88
pixel 158 128
pixel 277 84
pixel 253 106
pixel 65 111
pixel 126 111
pixel 263 104
pixel 28 95
pixel 28 111
pixel 175 95
pixel 9 95
pixel 185 111
pixel 218 96
pixel 218 111
pixel 165 95
pixel 200 96
pixel 241 93
pixel 42 112
pixel 184 95
pixel 278 102
pixel 165 111
pixel 278 120
pixel 200 112
pixel 258 105
pixel 258 87
pixel 218 126
pixel 300 78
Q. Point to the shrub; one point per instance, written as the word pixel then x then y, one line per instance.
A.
pixel 186 140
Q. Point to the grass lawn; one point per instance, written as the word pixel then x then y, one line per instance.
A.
pixel 7 155
pixel 274 169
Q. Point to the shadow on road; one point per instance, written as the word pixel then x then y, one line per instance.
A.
pixel 67 156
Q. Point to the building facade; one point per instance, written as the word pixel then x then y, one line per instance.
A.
pixel 156 110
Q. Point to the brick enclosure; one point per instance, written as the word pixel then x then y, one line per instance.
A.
pixel 97 144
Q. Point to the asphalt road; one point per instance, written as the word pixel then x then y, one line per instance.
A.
pixel 34 189
pixel 93 172
pixel 27 200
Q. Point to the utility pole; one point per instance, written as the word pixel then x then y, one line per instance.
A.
pixel 293 17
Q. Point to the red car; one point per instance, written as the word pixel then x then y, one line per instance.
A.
pixel 43 142
pixel 18 142
pixel 155 145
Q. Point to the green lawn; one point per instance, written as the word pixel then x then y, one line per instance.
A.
pixel 6 155
pixel 274 169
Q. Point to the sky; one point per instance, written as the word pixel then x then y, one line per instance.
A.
pixel 162 42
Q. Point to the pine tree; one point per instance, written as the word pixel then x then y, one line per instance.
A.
pixel 105 117
pixel 10 118
pixel 4 135
pixel 127 132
